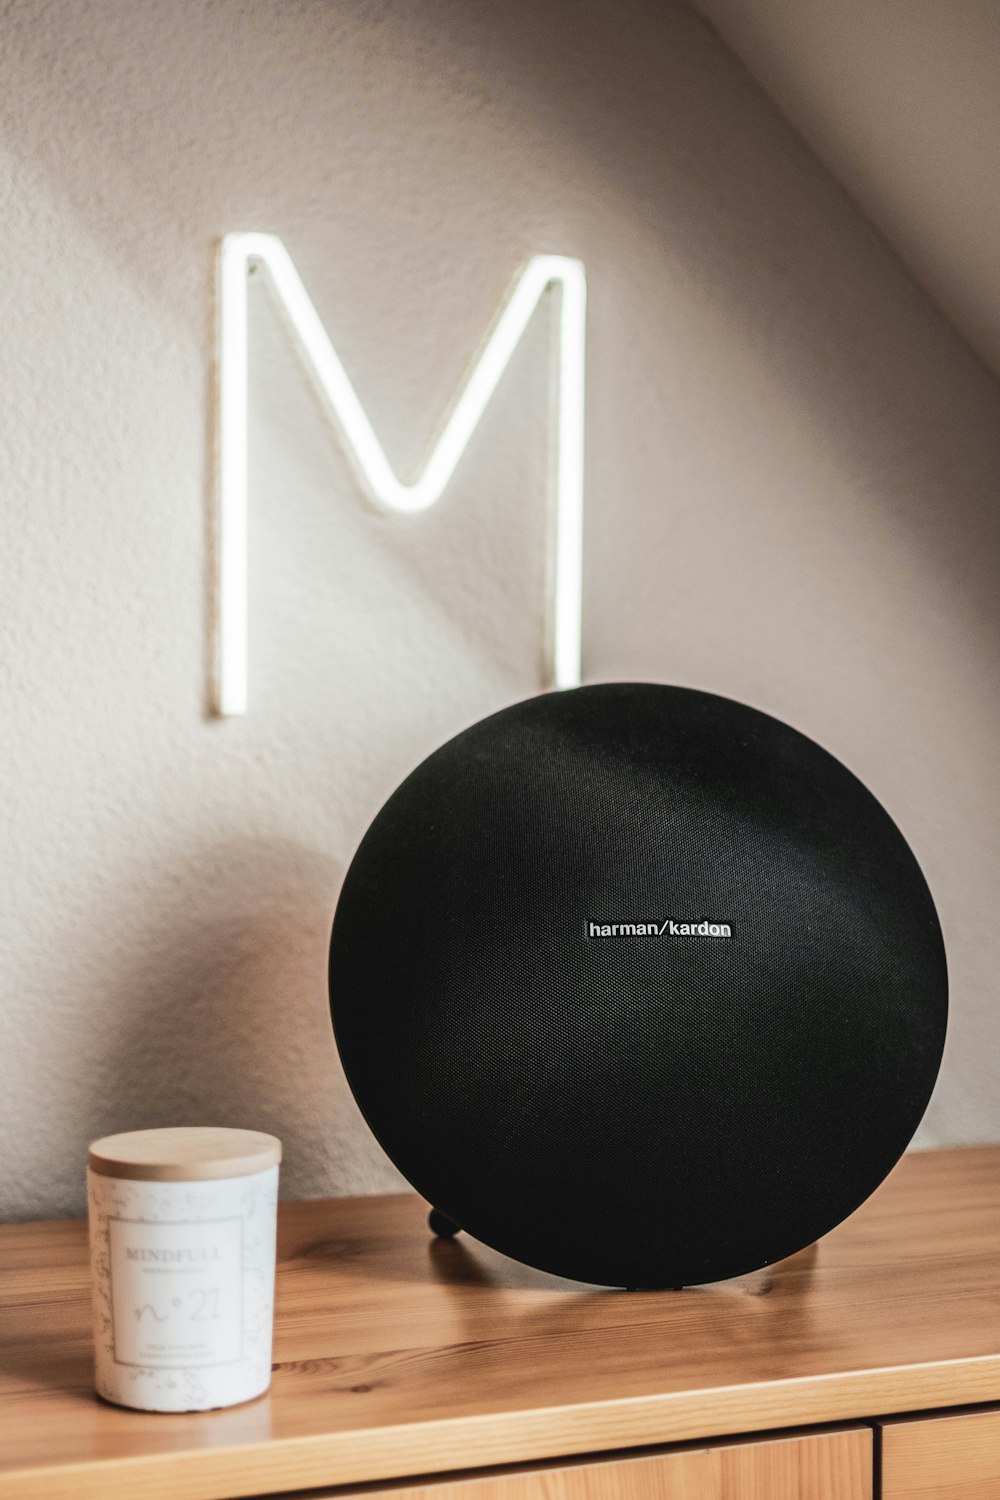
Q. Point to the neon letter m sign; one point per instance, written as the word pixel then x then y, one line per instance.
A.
pixel 376 475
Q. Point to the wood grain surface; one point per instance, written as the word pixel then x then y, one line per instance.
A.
pixel 834 1465
pixel 400 1355
pixel 954 1457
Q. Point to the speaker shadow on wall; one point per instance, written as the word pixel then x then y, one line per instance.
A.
pixel 220 1013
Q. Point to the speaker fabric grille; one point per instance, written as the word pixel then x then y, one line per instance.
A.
pixel 638 1110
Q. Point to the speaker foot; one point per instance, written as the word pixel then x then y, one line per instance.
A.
pixel 440 1224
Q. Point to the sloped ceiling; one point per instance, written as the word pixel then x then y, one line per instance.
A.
pixel 901 101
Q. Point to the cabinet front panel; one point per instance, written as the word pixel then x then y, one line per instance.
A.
pixel 834 1465
pixel 942 1458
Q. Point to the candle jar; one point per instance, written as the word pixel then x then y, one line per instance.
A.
pixel 182 1247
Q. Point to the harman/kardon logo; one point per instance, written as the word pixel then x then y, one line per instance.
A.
pixel 659 929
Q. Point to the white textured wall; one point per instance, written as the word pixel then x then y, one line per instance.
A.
pixel 901 100
pixel 792 479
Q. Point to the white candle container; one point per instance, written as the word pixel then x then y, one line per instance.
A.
pixel 182 1247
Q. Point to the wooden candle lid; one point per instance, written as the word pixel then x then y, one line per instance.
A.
pixel 184 1153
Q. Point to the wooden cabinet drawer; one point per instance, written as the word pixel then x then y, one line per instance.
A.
pixel 834 1465
pixel 942 1458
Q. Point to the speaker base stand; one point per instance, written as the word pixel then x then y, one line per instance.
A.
pixel 440 1225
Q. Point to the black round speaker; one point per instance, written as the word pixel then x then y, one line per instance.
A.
pixel 638 985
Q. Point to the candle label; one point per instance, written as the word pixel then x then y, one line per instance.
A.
pixel 176 1292
pixel 183 1289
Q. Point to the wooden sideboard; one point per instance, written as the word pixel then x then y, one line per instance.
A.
pixel 422 1369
